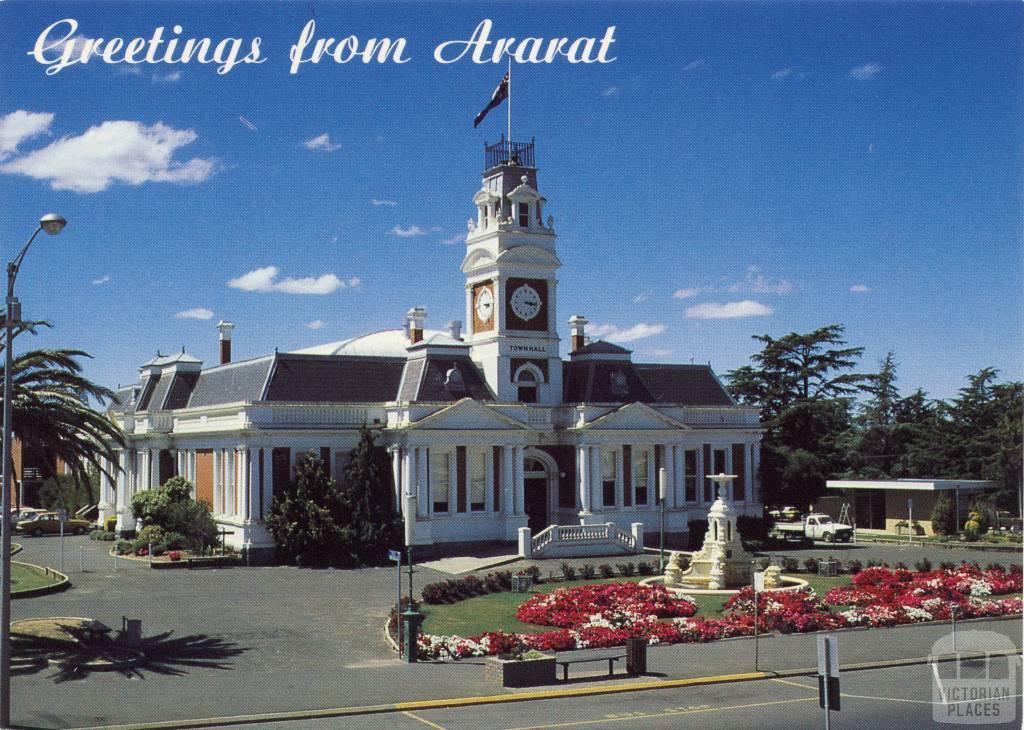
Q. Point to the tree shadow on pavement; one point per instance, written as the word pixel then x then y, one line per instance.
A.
pixel 159 654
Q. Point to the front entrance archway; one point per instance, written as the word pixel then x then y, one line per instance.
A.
pixel 540 483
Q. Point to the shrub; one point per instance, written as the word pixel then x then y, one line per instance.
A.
pixel 761 563
pixel 472 585
pixel 924 565
pixel 171 508
pixel 504 579
pixel 901 566
pixel 789 565
pixel 533 571
pixel 854 566
pixel 606 570
pixel 175 541
pixel 95 534
pixel 568 572
pixel 944 515
pixel 947 565
pixel 626 569
pixel 150 534
pixel 753 529
pixel 644 568
pixel 587 572
pixel 492 583
pixel 174 555
pixel 123 547
pixel 811 565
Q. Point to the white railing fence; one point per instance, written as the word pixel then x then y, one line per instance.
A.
pixel 580 540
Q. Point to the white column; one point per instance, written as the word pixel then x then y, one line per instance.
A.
pixel 154 468
pixel 669 462
pixel 596 488
pixel 489 505
pixel 520 495
pixel 125 520
pixel 396 476
pixel 507 480
pixel 701 472
pixel 583 474
pixel 242 461
pixel 218 484
pixel 231 483
pixel 421 482
pixel 748 472
pixel 268 478
pixel 453 482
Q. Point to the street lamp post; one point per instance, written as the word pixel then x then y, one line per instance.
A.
pixel 52 224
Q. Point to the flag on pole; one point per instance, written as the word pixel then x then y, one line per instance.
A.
pixel 499 95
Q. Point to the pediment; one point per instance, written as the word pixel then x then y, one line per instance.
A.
pixel 484 196
pixel 635 417
pixel 524 194
pixel 529 255
pixel 477 258
pixel 469 415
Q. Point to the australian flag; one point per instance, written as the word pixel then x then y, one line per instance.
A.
pixel 499 95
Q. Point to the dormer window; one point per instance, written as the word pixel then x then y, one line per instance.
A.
pixel 524 215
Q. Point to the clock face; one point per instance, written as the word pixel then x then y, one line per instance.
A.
pixel 484 305
pixel 525 302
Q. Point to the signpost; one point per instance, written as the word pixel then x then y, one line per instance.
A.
pixel 395 556
pixel 62 515
pixel 828 675
pixel 758 588
pixel 910 520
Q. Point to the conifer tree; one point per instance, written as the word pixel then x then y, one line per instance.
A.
pixel 371 525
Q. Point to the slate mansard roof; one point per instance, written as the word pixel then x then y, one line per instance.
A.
pixel 445 375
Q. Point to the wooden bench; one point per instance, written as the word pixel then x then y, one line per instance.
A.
pixel 610 659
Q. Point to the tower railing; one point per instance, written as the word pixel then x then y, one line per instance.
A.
pixel 506 152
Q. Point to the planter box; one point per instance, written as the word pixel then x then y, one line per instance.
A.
pixel 519 672
pixel 522 583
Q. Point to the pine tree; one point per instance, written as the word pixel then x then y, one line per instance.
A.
pixel 303 516
pixel 371 525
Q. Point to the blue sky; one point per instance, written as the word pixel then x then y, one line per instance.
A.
pixel 788 165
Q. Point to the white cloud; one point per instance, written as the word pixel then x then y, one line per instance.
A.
pixel 389 203
pixel 195 313
pixel 114 151
pixel 611 91
pixel 457 238
pixel 613 333
pixel 686 293
pixel 659 352
pixel 865 72
pixel 728 310
pixel 20 125
pixel 102 280
pixel 322 143
pixel 353 282
pixel 265 280
pixel 859 288
pixel 757 283
pixel 694 65
pixel 168 78
pixel 316 324
pixel 641 298
pixel 781 74
pixel 408 232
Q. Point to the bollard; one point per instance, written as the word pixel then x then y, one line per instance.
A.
pixel 115 560
pixel 81 558
pixel 411 621
pixel 149 553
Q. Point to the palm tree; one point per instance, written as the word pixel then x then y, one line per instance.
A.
pixel 51 412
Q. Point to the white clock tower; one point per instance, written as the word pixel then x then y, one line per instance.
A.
pixel 510 270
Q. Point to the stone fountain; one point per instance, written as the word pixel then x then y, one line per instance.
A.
pixel 721 563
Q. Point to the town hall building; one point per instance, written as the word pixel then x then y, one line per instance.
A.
pixel 486 425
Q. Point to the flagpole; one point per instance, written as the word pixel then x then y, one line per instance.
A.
pixel 510 107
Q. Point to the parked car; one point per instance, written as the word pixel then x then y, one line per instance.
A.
pixel 818 526
pixel 785 514
pixel 48 523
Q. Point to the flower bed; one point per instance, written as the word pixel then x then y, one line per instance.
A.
pixel 606 615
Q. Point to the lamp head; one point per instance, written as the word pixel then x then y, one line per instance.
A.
pixel 52 223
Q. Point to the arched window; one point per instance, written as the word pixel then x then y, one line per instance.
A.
pixel 527 382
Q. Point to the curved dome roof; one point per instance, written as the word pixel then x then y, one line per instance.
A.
pixel 386 343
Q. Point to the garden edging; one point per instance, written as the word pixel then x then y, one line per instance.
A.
pixel 62 585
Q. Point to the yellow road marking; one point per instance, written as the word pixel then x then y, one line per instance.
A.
pixel 423 720
pixel 553 694
pixel 664 713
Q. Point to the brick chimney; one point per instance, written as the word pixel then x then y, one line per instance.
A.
pixel 577 328
pixel 225 328
pixel 414 320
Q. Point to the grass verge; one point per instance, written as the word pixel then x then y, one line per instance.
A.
pixel 29 577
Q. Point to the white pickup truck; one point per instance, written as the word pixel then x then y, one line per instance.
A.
pixel 817 526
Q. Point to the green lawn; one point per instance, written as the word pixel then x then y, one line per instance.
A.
pixel 497 611
pixel 26 577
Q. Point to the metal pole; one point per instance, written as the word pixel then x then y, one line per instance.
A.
pixel 510 108
pixel 952 614
pixel 828 710
pixel 410 577
pixel 398 606
pixel 5 497
pixel 62 546
pixel 662 489
pixel 81 558
pixel 756 635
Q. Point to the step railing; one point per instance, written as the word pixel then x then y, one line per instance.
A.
pixel 577 539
